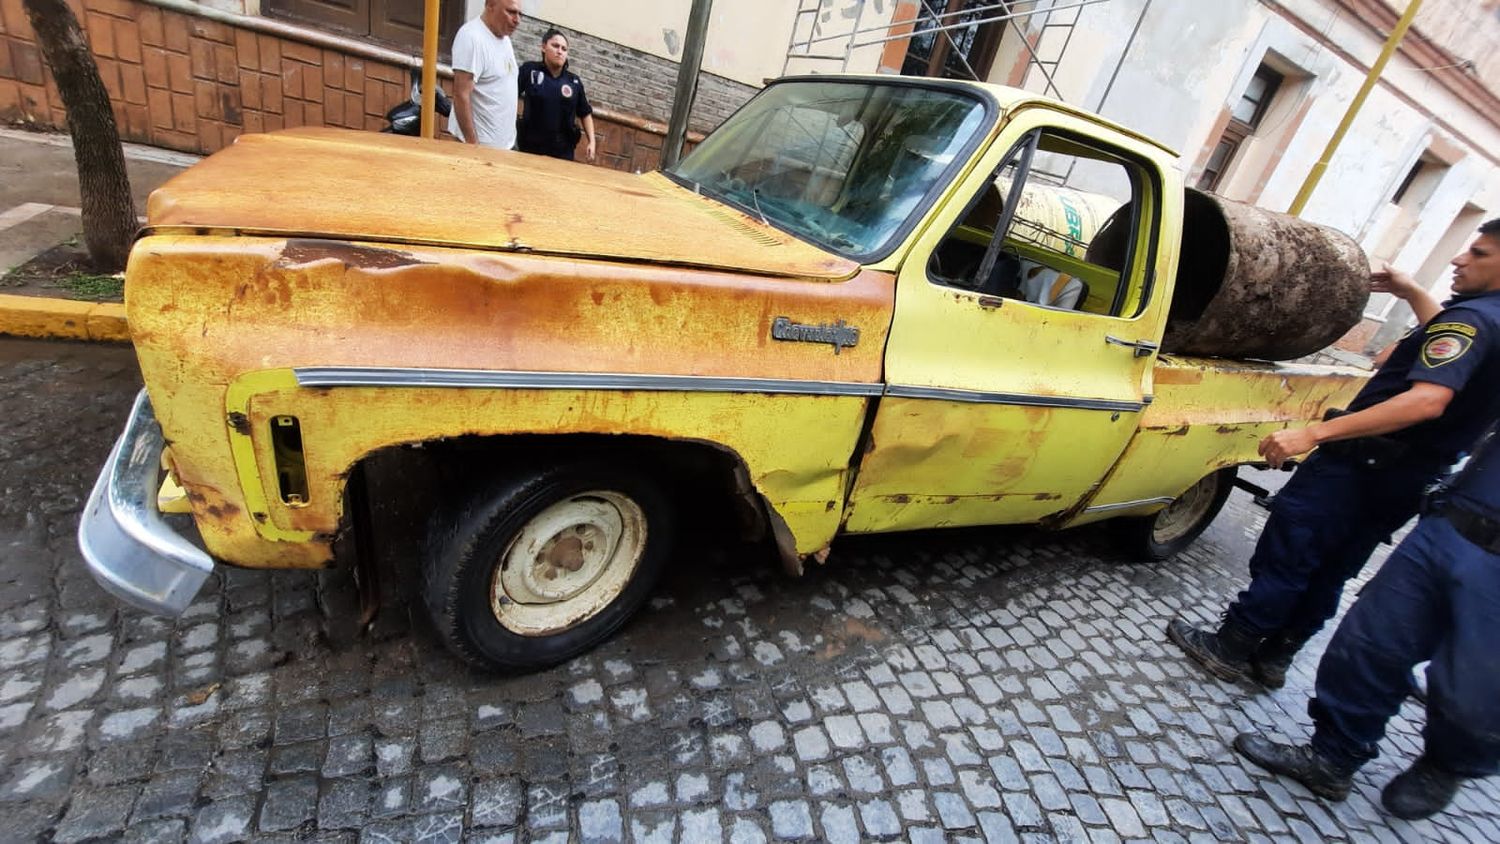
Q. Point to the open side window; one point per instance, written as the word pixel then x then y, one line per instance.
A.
pixel 1059 225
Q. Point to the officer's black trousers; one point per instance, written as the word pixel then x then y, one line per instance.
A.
pixel 1324 525
pixel 1438 598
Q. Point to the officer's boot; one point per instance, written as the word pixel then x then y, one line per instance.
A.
pixel 1225 653
pixel 1321 775
pixel 1419 791
pixel 1270 662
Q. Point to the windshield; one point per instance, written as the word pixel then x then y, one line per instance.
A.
pixel 845 165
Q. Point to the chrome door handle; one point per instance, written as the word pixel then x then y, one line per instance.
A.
pixel 1142 348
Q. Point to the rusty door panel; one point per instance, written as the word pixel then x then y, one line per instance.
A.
pixel 909 479
pixel 1053 395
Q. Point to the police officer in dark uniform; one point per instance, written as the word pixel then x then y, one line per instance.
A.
pixel 1433 396
pixel 553 104
pixel 1437 598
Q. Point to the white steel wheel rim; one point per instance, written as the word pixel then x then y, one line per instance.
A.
pixel 1183 514
pixel 568 562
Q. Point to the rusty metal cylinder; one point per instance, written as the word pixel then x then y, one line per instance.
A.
pixel 1254 283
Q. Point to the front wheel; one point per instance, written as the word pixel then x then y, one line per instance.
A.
pixel 544 564
pixel 1174 527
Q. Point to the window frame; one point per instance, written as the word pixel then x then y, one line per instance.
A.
pixel 1238 131
pixel 990 111
pixel 1146 192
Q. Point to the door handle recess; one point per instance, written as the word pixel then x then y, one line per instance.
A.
pixel 1142 348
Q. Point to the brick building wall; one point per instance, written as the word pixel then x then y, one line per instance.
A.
pixel 190 83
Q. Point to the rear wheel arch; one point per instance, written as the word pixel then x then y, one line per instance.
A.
pixel 1177 525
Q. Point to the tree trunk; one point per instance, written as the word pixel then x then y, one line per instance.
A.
pixel 109 222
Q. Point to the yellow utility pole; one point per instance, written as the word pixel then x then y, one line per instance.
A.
pixel 1311 183
pixel 429 69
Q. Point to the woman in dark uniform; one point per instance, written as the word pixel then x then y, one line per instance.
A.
pixel 553 104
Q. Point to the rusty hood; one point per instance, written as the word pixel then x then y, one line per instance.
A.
pixel 337 183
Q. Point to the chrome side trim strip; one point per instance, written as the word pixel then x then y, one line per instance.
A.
pixel 1128 505
pixel 373 376
pixel 974 396
pixel 362 376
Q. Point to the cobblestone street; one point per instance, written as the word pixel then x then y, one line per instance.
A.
pixel 990 685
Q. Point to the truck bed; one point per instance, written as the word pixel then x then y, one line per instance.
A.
pixel 1211 413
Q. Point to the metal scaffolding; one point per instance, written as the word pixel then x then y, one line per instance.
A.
pixel 1045 34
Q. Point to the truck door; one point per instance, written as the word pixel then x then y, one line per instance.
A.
pixel 1020 356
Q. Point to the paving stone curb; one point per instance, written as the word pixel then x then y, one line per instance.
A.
pixel 65 319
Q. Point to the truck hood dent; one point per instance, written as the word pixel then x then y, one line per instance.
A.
pixel 336 183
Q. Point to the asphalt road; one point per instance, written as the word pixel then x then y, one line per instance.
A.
pixel 947 686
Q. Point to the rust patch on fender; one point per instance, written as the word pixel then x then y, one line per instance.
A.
pixel 210 506
pixel 301 251
pixel 1177 375
pixel 223 511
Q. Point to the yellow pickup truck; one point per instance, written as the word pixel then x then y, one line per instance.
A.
pixel 863 304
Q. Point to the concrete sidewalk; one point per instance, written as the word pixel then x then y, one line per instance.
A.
pixel 39 209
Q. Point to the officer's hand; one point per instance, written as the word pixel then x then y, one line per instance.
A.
pixel 589 151
pixel 1387 279
pixel 1282 446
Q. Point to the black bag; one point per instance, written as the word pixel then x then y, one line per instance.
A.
pixel 1378 451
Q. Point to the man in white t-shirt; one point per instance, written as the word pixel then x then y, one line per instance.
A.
pixel 486 77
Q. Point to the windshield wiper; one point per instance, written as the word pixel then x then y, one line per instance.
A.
pixel 755 198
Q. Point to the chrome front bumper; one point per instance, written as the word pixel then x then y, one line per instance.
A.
pixel 126 544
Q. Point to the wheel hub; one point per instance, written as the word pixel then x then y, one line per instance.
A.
pixel 568 552
pixel 1182 514
pixel 568 561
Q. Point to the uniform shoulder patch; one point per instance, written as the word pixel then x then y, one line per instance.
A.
pixel 1445 347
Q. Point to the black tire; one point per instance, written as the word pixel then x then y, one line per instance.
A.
pixel 553 518
pixel 1173 528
